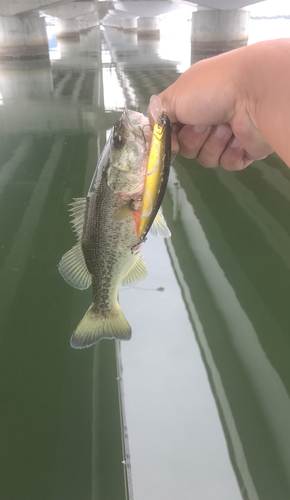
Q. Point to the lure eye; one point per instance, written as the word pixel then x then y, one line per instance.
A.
pixel 118 141
pixel 162 118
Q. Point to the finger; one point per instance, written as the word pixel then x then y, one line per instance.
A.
pixel 214 146
pixel 151 110
pixel 175 129
pixel 191 138
pixel 174 145
pixel 174 132
pixel 168 100
pixel 254 143
pixel 234 156
pixel 151 119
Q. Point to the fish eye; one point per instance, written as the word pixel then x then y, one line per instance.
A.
pixel 118 141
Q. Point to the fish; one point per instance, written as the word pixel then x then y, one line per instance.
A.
pixel 107 224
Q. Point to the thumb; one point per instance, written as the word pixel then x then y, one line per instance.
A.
pixel 203 95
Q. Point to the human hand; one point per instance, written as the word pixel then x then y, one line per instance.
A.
pixel 215 108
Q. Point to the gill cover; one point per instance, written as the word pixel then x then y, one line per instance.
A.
pixel 128 155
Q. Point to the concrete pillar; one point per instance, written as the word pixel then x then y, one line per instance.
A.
pixel 130 25
pixel 130 39
pixel 148 49
pixel 69 49
pixel 25 79
pixel 67 28
pixel 89 21
pixel 148 27
pixel 216 31
pixel 23 37
pixel 113 20
pixel 90 43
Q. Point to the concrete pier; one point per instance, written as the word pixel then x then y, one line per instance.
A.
pixel 23 37
pixel 67 28
pixel 216 31
pixel 25 79
pixel 113 20
pixel 148 27
pixel 88 21
pixel 72 17
pixel 130 25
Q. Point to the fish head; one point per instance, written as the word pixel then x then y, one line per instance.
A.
pixel 129 149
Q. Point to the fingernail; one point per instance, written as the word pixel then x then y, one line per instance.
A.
pixel 155 106
pixel 235 143
pixel 200 129
pixel 220 131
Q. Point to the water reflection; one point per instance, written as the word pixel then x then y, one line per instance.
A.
pixel 60 423
pixel 236 271
pixel 205 379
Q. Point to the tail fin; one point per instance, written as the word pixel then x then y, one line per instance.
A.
pixel 94 326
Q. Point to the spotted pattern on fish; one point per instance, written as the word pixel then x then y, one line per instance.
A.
pixel 106 222
pixel 106 245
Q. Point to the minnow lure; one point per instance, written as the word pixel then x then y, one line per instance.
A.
pixel 157 174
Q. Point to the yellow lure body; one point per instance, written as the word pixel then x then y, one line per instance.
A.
pixel 157 173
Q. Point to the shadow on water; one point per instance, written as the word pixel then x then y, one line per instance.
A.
pixel 61 426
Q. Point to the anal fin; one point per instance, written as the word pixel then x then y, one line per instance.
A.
pixel 136 273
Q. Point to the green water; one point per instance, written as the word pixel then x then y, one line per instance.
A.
pixel 62 436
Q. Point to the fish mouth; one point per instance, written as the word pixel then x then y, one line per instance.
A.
pixel 139 125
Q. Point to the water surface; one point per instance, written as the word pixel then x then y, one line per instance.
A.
pixel 202 409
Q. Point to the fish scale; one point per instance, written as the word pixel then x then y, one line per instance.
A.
pixel 114 246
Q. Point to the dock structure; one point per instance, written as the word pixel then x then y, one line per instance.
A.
pixel 23 33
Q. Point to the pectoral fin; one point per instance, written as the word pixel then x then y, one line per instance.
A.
pixel 159 226
pixel 73 268
pixel 123 212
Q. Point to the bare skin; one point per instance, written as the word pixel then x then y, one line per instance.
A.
pixel 233 108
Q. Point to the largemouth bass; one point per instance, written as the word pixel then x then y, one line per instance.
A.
pixel 107 223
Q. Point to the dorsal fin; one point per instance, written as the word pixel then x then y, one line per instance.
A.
pixel 78 212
